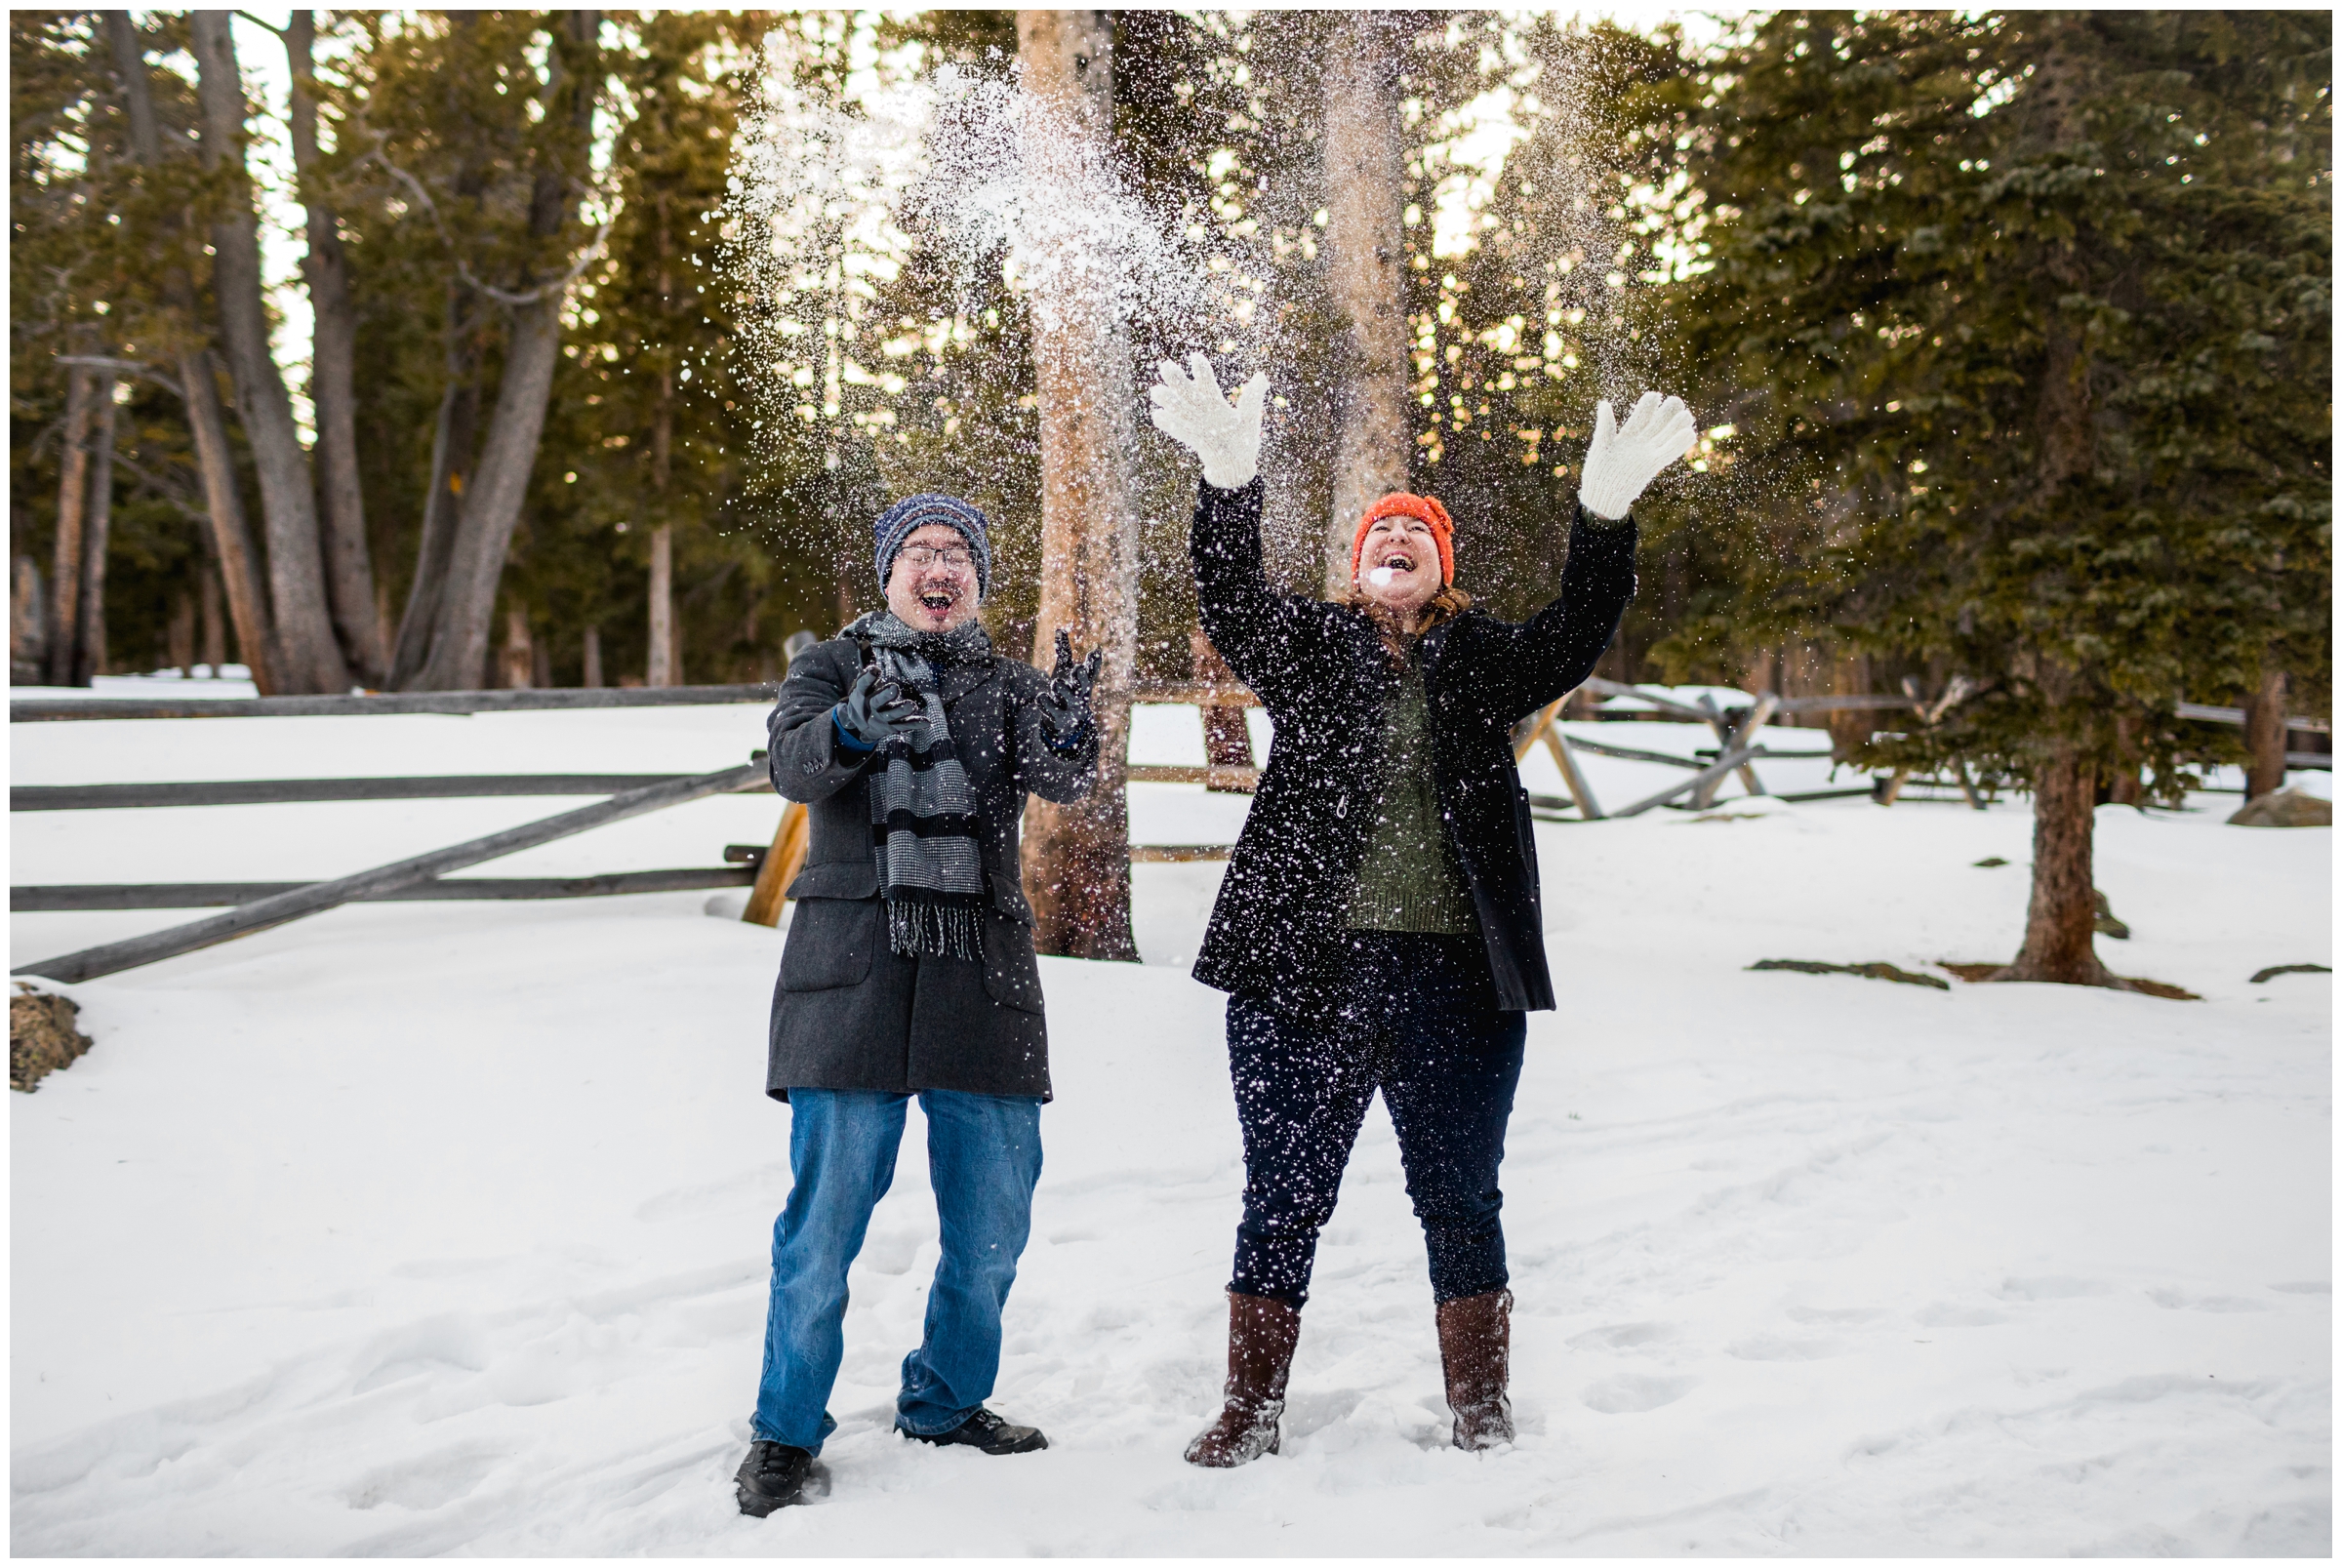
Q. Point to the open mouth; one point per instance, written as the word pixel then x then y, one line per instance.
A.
pixel 1398 561
pixel 938 599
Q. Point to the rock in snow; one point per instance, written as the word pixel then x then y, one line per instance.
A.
pixel 2284 808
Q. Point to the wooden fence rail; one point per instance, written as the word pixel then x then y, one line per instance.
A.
pixel 285 791
pixel 277 909
pixel 63 896
pixel 62 710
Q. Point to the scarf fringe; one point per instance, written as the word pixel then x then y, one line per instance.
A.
pixel 916 927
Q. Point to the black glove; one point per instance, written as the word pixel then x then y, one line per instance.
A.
pixel 1065 705
pixel 875 711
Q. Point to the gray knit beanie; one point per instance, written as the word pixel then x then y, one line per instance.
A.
pixel 906 517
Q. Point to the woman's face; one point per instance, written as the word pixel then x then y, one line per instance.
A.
pixel 1399 570
pixel 932 585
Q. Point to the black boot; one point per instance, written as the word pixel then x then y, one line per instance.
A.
pixel 772 1476
pixel 985 1432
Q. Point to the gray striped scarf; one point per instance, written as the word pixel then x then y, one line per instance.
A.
pixel 923 824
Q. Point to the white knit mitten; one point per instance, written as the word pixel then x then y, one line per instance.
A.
pixel 1193 411
pixel 1620 464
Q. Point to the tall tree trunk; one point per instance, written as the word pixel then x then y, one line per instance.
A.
pixel 231 540
pixel 28 625
pixel 454 436
pixel 1849 728
pixel 661 667
pixel 2125 786
pixel 98 513
pixel 591 678
pixel 520 652
pixel 2265 736
pixel 215 628
pixel 179 638
pixel 1365 251
pixel 333 357
pixel 198 379
pixel 72 503
pixel 304 626
pixel 493 499
pixel 2062 920
pixel 1077 855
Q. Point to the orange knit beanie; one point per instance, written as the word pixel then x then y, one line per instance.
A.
pixel 1423 507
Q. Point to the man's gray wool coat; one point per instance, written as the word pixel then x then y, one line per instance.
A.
pixel 849 1012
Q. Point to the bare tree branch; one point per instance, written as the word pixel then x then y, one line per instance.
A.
pixel 161 489
pixel 504 296
pixel 132 367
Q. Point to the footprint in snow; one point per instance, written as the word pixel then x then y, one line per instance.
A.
pixel 2049 1288
pixel 1624 1336
pixel 1773 1347
pixel 428 1480
pixel 1627 1395
pixel 2182 1300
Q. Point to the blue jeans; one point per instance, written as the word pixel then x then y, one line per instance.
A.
pixel 983 1155
pixel 1417 1024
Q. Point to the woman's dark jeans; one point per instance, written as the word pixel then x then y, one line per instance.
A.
pixel 1419 1026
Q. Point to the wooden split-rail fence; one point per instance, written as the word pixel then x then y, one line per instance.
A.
pixel 767 870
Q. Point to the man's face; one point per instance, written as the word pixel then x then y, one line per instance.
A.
pixel 932 585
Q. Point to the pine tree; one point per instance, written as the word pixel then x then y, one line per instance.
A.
pixel 2024 303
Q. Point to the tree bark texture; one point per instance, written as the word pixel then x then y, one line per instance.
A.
pixel 72 500
pixel 2060 925
pixel 207 423
pixel 1078 856
pixel 304 626
pixel 2265 736
pixel 179 638
pixel 1365 252
pixel 663 663
pixel 215 627
pixel 453 439
pixel 97 523
pixel 593 677
pixel 520 653
pixel 28 625
pixel 491 503
pixel 661 667
pixel 2125 786
pixel 333 351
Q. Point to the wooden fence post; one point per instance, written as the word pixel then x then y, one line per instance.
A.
pixel 782 864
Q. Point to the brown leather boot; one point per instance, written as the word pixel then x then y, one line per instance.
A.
pixel 1476 1341
pixel 1261 1335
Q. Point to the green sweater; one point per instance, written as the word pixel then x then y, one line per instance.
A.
pixel 1409 878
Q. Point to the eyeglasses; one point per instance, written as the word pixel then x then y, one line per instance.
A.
pixel 929 555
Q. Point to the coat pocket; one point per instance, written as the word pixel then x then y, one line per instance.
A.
pixel 830 943
pixel 1012 974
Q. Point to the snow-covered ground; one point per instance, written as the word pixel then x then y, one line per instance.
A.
pixel 442 1227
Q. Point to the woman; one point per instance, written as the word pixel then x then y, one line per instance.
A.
pixel 1379 926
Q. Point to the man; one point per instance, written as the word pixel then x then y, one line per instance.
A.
pixel 909 970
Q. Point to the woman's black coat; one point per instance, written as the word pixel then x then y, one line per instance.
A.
pixel 849 1012
pixel 1326 679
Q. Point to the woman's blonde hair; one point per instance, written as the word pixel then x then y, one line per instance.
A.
pixel 1439 609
